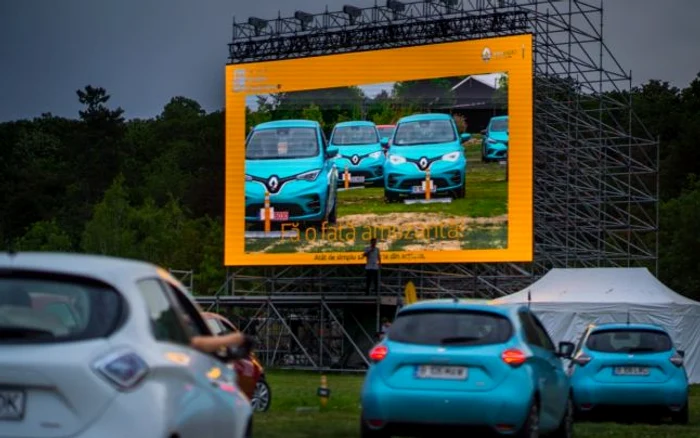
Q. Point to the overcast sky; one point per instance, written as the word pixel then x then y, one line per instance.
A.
pixel 146 51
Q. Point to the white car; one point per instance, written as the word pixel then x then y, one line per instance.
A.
pixel 94 346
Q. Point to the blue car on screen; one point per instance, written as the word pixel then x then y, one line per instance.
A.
pixel 290 161
pixel 454 365
pixel 422 143
pixel 629 366
pixel 360 152
pixel 494 144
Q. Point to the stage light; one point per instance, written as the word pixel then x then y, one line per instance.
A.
pixel 257 23
pixel 395 5
pixel 304 17
pixel 352 11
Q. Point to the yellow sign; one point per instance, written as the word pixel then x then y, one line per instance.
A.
pixel 473 222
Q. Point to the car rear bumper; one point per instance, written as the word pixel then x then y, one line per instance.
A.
pixel 588 394
pixel 507 404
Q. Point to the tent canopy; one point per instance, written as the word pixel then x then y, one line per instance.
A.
pixel 598 285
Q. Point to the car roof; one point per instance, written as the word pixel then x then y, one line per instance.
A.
pixel 427 116
pixel 499 118
pixel 354 123
pixel 625 326
pixel 110 270
pixel 288 124
pixel 464 304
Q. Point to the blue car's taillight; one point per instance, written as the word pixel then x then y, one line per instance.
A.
pixel 124 369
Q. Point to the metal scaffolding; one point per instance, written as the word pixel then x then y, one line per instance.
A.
pixel 596 166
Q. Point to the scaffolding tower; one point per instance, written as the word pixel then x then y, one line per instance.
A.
pixel 596 166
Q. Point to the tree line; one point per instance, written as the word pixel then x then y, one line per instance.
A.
pixel 153 189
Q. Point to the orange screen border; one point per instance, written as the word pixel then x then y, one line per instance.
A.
pixel 511 55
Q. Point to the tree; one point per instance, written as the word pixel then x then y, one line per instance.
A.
pixel 500 96
pixel 110 231
pixel 680 242
pixel 425 93
pixel 45 236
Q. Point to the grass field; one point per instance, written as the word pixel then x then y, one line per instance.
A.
pixel 479 221
pixel 340 419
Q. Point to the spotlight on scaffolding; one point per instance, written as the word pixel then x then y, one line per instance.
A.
pixel 304 18
pixel 353 12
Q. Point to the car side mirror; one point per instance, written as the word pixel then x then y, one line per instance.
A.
pixel 384 141
pixel 229 354
pixel 483 132
pixel 681 353
pixel 566 350
pixel 466 137
pixel 332 152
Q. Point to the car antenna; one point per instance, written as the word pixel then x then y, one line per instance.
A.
pixel 529 299
pixel 628 317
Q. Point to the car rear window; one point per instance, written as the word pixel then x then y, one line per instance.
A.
pixel 41 309
pixel 450 327
pixel 629 341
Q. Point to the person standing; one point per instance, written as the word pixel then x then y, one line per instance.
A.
pixel 374 262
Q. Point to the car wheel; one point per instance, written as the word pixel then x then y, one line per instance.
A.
pixel 390 197
pixel 366 432
pixel 333 215
pixel 262 397
pixel 531 427
pixel 566 426
pixel 681 417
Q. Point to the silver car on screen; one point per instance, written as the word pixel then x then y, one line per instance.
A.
pixel 94 346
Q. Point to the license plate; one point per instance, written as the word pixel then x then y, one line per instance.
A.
pixel 354 179
pixel 275 215
pixel 11 404
pixel 441 372
pixel 631 371
pixel 281 216
pixel 421 189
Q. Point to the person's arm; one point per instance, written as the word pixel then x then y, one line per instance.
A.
pixel 379 257
pixel 210 344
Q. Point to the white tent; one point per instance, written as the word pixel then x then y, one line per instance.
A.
pixel 568 300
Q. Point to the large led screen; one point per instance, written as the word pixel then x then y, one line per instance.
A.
pixel 428 149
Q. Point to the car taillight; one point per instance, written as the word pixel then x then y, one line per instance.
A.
pixel 581 359
pixel 677 359
pixel 378 353
pixel 513 357
pixel 124 369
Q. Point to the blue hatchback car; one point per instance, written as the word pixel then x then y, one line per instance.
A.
pixel 291 161
pixel 629 365
pixel 360 151
pixel 450 366
pixel 425 142
pixel 494 145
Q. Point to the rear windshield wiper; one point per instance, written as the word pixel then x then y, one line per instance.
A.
pixel 19 332
pixel 459 340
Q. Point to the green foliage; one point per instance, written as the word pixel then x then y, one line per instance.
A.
pixel 313 112
pixel 110 231
pixel 45 236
